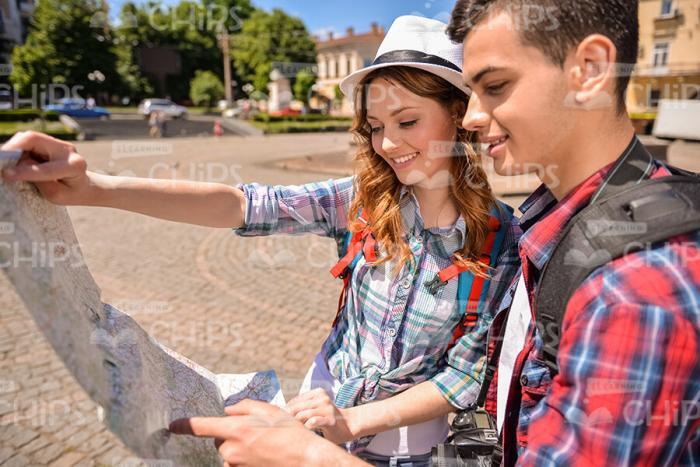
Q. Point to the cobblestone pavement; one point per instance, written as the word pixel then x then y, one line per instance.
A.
pixel 230 304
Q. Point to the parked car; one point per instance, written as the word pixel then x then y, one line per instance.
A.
pixel 168 107
pixel 5 100
pixel 77 108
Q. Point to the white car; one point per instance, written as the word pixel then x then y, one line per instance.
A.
pixel 5 100
pixel 168 107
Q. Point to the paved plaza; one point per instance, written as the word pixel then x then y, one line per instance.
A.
pixel 231 304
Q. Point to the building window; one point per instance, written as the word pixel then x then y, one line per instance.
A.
pixel 350 70
pixel 654 97
pixel 666 7
pixel 336 71
pixel 660 57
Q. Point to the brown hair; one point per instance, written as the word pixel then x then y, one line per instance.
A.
pixel 556 27
pixel 377 189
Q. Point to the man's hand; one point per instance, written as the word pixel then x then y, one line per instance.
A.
pixel 257 433
pixel 317 412
pixel 54 166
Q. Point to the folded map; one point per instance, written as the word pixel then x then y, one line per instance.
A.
pixel 141 385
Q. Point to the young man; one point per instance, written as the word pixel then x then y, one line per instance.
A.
pixel 549 80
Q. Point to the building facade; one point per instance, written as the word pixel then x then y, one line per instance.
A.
pixel 14 23
pixel 337 57
pixel 668 65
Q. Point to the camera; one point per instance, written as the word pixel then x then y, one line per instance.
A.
pixel 474 442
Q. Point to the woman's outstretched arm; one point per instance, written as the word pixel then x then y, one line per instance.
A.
pixel 200 203
pixel 61 175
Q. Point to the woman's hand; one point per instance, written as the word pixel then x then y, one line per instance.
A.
pixel 317 412
pixel 54 166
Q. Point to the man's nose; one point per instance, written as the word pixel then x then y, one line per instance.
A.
pixel 476 118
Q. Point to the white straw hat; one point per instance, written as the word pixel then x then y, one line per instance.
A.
pixel 416 42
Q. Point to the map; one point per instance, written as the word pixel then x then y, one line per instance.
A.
pixel 141 385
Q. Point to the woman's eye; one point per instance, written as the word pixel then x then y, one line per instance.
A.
pixel 375 129
pixel 496 88
pixel 408 124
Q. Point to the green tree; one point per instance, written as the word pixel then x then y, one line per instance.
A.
pixel 206 88
pixel 65 46
pixel 270 37
pixel 191 27
pixel 338 95
pixel 305 80
pixel 133 26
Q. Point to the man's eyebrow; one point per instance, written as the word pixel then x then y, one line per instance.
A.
pixel 484 71
pixel 395 112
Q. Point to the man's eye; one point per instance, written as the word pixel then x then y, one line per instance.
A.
pixel 408 124
pixel 496 88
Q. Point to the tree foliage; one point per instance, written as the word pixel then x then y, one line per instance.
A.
pixel 70 39
pixel 66 44
pixel 191 27
pixel 267 38
pixel 303 84
pixel 206 88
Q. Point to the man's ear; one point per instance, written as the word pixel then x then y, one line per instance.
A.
pixel 593 71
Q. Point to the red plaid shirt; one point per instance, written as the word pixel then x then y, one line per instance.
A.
pixel 628 387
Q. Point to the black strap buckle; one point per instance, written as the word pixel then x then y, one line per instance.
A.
pixel 435 284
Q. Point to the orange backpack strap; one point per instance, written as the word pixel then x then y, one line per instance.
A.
pixel 357 244
pixel 474 288
pixel 471 290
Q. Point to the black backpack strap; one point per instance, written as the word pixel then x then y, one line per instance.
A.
pixel 627 214
pixel 634 166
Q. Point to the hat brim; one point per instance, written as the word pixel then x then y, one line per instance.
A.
pixel 349 84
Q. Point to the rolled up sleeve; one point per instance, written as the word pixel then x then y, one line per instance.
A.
pixel 319 208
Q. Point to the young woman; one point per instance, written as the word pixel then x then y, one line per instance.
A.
pixel 416 228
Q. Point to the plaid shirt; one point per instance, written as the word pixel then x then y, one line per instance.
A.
pixel 392 333
pixel 628 387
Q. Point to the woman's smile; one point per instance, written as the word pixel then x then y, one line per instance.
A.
pixel 404 161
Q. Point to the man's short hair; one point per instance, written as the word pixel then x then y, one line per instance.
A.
pixel 556 27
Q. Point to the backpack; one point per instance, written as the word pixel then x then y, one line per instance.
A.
pixel 471 290
pixel 644 211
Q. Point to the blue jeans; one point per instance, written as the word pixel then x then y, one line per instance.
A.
pixel 422 460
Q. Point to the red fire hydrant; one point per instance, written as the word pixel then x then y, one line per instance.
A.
pixel 218 131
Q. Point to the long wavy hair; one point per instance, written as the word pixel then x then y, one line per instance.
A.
pixel 377 189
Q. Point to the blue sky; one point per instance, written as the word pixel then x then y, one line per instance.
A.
pixel 337 15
